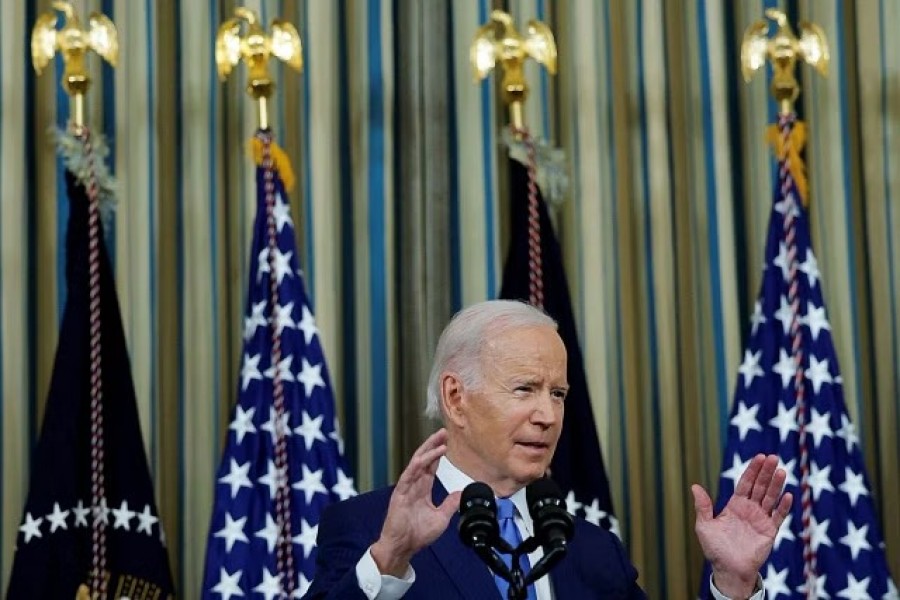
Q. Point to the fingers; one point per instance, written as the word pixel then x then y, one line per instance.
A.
pixel 450 504
pixel 773 492
pixel 764 479
pixel 419 473
pixel 782 510
pixel 745 483
pixel 702 503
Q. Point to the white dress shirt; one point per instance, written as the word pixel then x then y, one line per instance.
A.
pixel 377 586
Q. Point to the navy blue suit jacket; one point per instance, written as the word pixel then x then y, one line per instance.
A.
pixel 595 566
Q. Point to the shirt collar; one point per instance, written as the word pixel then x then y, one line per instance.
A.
pixel 454 480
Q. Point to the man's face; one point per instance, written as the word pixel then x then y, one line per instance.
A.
pixel 510 423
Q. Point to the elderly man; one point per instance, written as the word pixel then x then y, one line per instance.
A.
pixel 499 384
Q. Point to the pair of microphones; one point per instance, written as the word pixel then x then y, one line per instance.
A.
pixel 480 530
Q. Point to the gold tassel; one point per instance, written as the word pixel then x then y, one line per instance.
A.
pixel 797 166
pixel 280 161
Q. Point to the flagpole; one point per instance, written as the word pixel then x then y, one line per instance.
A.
pixel 783 50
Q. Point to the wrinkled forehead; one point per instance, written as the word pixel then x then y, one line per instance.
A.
pixel 533 345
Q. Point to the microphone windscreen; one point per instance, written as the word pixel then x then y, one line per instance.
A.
pixel 542 489
pixel 552 521
pixel 476 492
pixel 478 515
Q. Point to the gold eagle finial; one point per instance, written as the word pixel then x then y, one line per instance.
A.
pixel 73 43
pixel 783 50
pixel 498 41
pixel 255 47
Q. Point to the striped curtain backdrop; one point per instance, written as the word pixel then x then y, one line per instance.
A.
pixel 401 210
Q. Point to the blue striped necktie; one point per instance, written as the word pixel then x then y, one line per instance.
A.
pixel 506 512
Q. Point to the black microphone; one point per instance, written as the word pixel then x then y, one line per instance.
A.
pixel 478 526
pixel 553 525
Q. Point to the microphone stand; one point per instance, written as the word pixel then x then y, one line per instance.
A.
pixel 518 582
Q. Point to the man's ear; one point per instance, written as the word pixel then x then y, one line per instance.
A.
pixel 452 397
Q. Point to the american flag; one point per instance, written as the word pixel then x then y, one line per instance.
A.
pixel 780 408
pixel 284 392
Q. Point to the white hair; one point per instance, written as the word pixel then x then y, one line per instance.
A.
pixel 460 345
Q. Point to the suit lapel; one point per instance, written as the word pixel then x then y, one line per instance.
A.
pixel 471 577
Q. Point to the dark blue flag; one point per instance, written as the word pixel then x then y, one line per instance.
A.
pixel 578 464
pixel 244 558
pixel 790 375
pixel 53 556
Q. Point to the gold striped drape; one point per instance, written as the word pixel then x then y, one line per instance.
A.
pixel 400 219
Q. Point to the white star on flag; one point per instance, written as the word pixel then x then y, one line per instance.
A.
pixel 737 469
pixel 57 519
pixel 572 505
pixel 273 478
pixel 819 533
pixel 819 588
pixel 311 377
pixel 775 583
pixel 270 586
pixel 784 533
pixel 815 320
pixel 592 512
pixel 811 267
pixel 785 421
pixel 310 484
pixel 785 314
pixel 269 533
pixel 284 370
pixel 855 590
pixel 250 370
pixel 856 539
pixel 282 213
pixel 233 531
pixel 256 319
pixel 237 477
pixel 283 427
pixel 306 538
pixel 750 367
pixel 229 584
pixel 80 513
pixel 310 429
pixel 818 373
pixel 146 520
pixel 758 318
pixel 848 433
pixel 745 419
pixel 31 528
pixel 819 480
pixel 786 367
pixel 123 516
pixel 101 512
pixel 307 325
pixel 818 427
pixel 853 485
pixel 243 422
pixel 343 489
pixel 282 317
pixel 782 261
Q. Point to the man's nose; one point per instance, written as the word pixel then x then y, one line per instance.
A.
pixel 544 412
